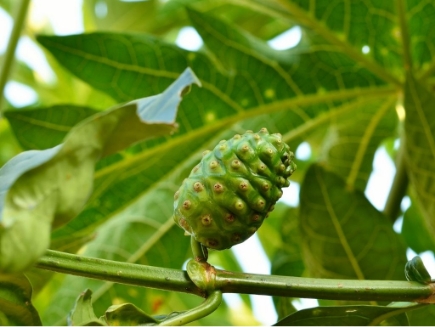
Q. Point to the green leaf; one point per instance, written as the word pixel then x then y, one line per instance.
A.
pixel 353 139
pixel 343 235
pixel 127 314
pixel 41 188
pixel 16 308
pixel 420 146
pixel 351 315
pixel 43 128
pixel 422 317
pixel 421 42
pixel 83 313
pixel 351 25
pixel 415 232
pixel 225 98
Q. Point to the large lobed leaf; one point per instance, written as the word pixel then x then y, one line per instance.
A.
pixel 122 65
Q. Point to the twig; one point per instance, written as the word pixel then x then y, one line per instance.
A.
pixel 12 45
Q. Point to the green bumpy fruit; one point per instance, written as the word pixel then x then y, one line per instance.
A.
pixel 231 191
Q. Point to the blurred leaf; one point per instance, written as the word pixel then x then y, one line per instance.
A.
pixel 353 139
pixel 420 146
pixel 45 128
pixel 415 232
pixel 127 314
pixel 351 25
pixel 422 39
pixel 119 15
pixel 31 199
pixel 422 317
pixel 352 315
pixel 343 235
pixel 8 144
pixel 16 308
pixel 83 314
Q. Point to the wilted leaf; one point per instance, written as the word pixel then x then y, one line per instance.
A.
pixel 343 235
pixel 50 187
pixel 16 308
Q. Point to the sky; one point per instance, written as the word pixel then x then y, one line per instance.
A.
pixel 65 17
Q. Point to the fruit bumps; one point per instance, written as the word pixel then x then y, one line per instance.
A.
pixel 231 191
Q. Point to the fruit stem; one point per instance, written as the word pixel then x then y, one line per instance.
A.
pixel 200 253
pixel 210 304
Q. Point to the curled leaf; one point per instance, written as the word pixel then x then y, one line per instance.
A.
pixel 44 189
pixel 416 271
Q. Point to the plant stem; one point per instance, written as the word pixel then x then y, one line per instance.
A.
pixel 399 186
pixel 204 309
pixel 236 282
pixel 12 45
pixel 328 289
pixel 198 250
pixel 119 272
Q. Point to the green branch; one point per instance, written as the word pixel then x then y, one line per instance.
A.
pixel 12 45
pixel 237 282
pixel 119 272
pixel 399 186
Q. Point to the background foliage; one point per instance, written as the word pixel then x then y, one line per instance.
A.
pixel 345 88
